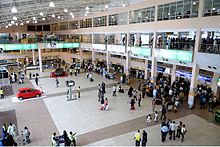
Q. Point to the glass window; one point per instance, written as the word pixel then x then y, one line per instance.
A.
pixel 216 7
pixel 179 10
pixel 64 26
pixel 99 21
pixel 160 12
pixel 152 13
pixel 173 10
pixel 195 8
pixel 186 9
pixel 73 25
pixel 166 11
pixel 118 19
pixel 86 23
pixel 142 15
pixel 54 27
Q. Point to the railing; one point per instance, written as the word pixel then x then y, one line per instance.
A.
pixel 176 46
pixel 210 48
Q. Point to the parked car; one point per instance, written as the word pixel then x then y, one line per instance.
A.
pixel 24 93
pixel 59 72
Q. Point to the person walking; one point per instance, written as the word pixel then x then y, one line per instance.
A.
pixel 155 116
pixel 4 131
pixel 153 105
pixel 57 82
pixel 139 100
pixel 143 91
pixel 36 80
pixel 178 131
pixel 148 120
pixel 54 139
pixel 72 138
pixel 66 139
pixel 144 138
pixel 30 76
pixel 114 90
pixel 132 104
pixel 164 131
pixel 163 112
pixel 130 92
pixel 2 93
pixel 183 132
pixel 137 138
pixel 78 91
pixel 173 128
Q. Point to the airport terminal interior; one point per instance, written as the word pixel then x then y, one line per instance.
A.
pixel 110 72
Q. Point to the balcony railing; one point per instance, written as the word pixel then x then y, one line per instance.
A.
pixel 177 46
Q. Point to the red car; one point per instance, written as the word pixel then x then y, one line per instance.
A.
pixel 24 93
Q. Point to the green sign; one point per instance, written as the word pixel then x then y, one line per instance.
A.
pixel 67 45
pixel 143 51
pixel 184 56
pixel 10 47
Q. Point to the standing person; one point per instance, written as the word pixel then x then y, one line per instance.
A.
pixel 114 90
pixel 164 130
pixel 10 129
pixel 139 100
pixel 66 139
pixel 155 92
pixel 90 77
pixel 137 138
pixel 144 138
pixel 148 120
pixel 57 82
pixel 2 93
pixel 183 132
pixel 71 71
pixel 132 104
pixel 30 75
pixel 153 105
pixel 156 116
pixel 54 139
pixel 130 91
pixel 87 75
pixel 72 138
pixel 139 85
pixel 173 128
pixel 36 80
pixel 202 101
pixel 78 91
pixel 4 131
pixel 163 112
pixel 134 93
pixel 143 91
pixel 179 129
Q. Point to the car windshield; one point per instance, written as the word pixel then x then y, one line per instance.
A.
pixel 32 90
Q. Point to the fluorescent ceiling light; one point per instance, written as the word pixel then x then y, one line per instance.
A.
pixel 65 10
pixel 53 15
pixel 87 8
pixel 73 16
pixel 58 17
pixel 62 18
pixel 34 18
pixel 41 14
pixel 35 21
pixel 27 21
pixel 106 6
pixel 16 24
pixel 6 26
pixel 51 4
pixel 12 22
pixel 22 24
pixel 123 5
pixel 85 14
pixel 43 18
pixel 9 24
pixel 14 9
pixel 15 18
pixel 71 13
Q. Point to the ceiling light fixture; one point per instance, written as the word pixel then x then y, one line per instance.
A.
pixel 73 16
pixel 34 18
pixel 12 22
pixel 123 5
pixel 41 14
pixel 106 6
pixel 43 18
pixel 6 26
pixel 85 14
pixel 71 13
pixel 53 15
pixel 22 24
pixel 62 18
pixel 58 17
pixel 35 21
pixel 9 24
pixel 87 8
pixel 51 4
pixel 65 10
pixel 16 24
pixel 15 18
pixel 27 21
pixel 14 9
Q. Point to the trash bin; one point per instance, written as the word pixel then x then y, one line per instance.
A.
pixel 217 116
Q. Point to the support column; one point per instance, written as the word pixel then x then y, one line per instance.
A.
pixel 33 55
pixel 27 60
pixel 195 70
pixel 173 74
pixel 201 7
pixel 108 56
pixel 215 84
pixel 154 59
pixel 127 63
pixel 40 59
pixel 80 56
pixel 146 69
pixel 93 55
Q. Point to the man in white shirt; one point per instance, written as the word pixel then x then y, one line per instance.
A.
pixel 173 128
pixel 154 92
pixel 114 90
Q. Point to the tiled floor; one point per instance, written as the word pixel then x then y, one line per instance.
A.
pixel 94 127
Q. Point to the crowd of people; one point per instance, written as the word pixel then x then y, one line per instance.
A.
pixel 210 45
pixel 66 139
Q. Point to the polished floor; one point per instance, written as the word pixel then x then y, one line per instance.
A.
pixel 53 113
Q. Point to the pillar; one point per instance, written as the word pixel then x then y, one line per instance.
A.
pixel 201 7
pixel 154 59
pixel 27 60
pixel 195 70
pixel 33 55
pixel 146 69
pixel 40 59
pixel 108 56
pixel 215 84
pixel 80 56
pixel 173 74
pixel 137 39
pixel 127 63
pixel 93 55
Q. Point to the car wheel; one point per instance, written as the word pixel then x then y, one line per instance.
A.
pixel 37 95
pixel 20 98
